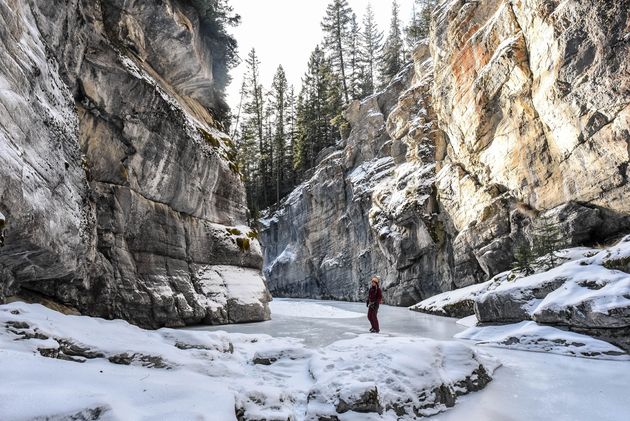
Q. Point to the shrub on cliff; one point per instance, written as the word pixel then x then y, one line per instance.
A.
pixel 216 17
pixel 547 239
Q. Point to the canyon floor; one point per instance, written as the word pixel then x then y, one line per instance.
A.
pixel 527 386
pixel 313 360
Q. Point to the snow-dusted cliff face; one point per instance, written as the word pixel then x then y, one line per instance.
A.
pixel 369 207
pixel 522 110
pixel 534 97
pixel 117 194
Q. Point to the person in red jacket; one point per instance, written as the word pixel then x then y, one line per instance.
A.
pixel 375 298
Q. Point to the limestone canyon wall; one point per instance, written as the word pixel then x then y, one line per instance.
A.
pixel 521 110
pixel 118 193
pixel 369 207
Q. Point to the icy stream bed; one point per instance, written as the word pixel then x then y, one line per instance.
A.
pixel 529 385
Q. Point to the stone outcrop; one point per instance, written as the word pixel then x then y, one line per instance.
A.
pixel 521 111
pixel 119 193
pixel 585 293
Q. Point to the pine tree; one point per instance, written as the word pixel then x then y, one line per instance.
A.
pixel 393 52
pixel 300 145
pixel 247 148
pixel 291 125
pixel 336 27
pixel 547 239
pixel 236 119
pixel 333 108
pixel 319 105
pixel 267 159
pixel 279 102
pixel 354 59
pixel 252 141
pixel 420 21
pixel 371 40
pixel 524 259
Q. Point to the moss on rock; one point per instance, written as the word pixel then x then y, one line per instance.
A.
pixel 234 231
pixel 211 140
pixel 243 244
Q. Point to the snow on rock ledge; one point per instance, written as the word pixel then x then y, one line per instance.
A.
pixel 457 303
pixel 529 336
pixel 589 292
pixel 113 370
pixel 407 377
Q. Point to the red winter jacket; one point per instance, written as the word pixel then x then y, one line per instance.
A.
pixel 375 296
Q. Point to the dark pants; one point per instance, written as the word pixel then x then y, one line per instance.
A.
pixel 372 317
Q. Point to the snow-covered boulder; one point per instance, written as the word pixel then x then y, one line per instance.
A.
pixel 530 336
pixel 408 377
pixel 113 370
pixel 457 303
pixel 587 293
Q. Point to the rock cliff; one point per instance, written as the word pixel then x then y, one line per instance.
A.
pixel 368 207
pixel 119 195
pixel 521 110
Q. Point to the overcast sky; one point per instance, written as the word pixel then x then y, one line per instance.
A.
pixel 286 32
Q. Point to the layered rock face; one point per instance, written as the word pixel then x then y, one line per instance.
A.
pixel 119 194
pixel 368 207
pixel 526 114
pixel 534 97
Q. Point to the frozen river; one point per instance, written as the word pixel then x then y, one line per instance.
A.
pixel 529 386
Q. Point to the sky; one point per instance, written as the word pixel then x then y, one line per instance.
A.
pixel 286 32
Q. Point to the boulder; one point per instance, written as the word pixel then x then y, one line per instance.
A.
pixel 408 377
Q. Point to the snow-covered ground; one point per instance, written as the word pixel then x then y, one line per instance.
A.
pixel 128 373
pixel 528 385
pixel 310 310
pixel 74 367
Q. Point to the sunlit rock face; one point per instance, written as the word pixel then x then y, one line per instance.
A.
pixel 521 110
pixel 118 192
pixel 534 99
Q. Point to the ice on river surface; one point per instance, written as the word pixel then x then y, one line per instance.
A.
pixel 206 375
pixel 310 310
pixel 319 332
pixel 529 386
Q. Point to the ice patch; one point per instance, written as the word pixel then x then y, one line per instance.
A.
pixel 310 310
